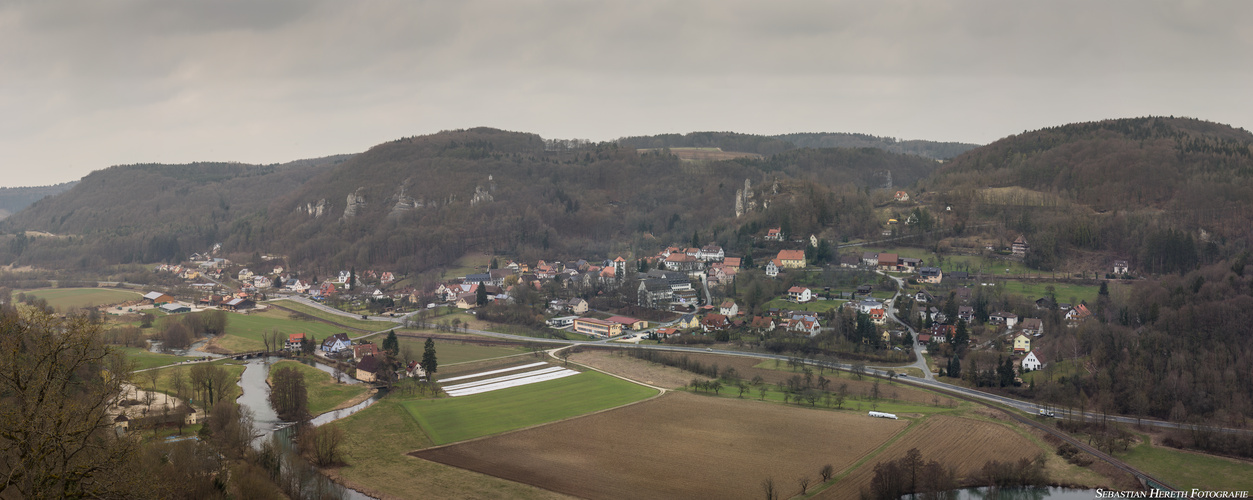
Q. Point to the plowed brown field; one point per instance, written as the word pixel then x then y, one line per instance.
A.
pixel 963 443
pixel 680 445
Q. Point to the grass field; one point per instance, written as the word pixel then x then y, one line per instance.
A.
pixel 448 420
pixel 144 359
pixel 377 440
pixel 451 353
pixel 1065 292
pixel 357 323
pixel 165 385
pixel 324 393
pixel 244 331
pixel 470 263
pixel 68 298
pixel 677 446
pixel 813 306
pixel 1191 470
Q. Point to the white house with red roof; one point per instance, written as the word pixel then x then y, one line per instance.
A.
pixel 294 342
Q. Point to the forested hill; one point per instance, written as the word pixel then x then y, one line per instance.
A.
pixel 422 202
pixel 1115 185
pixel 769 145
pixel 14 199
pixel 928 149
pixel 143 211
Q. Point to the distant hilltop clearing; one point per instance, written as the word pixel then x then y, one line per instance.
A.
pixel 703 154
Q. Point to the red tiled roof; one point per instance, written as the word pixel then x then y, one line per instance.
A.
pixel 791 255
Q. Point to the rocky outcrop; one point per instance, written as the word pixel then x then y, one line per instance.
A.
pixel 484 194
pixel 356 202
pixel 744 199
pixel 404 202
pixel 314 209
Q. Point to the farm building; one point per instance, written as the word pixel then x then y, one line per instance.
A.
pixel 174 308
pixel 157 298
pixel 239 304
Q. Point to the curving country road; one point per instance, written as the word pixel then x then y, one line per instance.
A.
pixel 928 382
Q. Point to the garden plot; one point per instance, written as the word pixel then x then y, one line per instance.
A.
pixel 507 381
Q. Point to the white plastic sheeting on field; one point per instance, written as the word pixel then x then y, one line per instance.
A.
pixel 510 381
pixel 493 372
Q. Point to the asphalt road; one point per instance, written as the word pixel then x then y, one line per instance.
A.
pixel 929 382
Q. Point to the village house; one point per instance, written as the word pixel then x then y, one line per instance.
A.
pixel 866 305
pixel 878 316
pixel 942 333
pixel 687 322
pixel 1020 247
pixel 966 313
pixel 245 275
pixel 294 342
pixel 729 308
pixel 762 324
pixel 714 322
pixel 1032 362
pixel 924 297
pixel 1033 326
pixel 577 305
pixel 772 268
pixel 361 351
pixel 326 289
pixel 367 368
pixel 710 253
pixel 799 294
pixel 414 370
pixel 932 275
pixel 683 262
pixel 806 324
pixel 1003 318
pixel 1022 343
pixel 731 263
pixel 336 343
pixel 908 264
pixel 849 261
pixel 901 196
pixel 791 259
pixel 870 259
pixel 888 261
pixel 774 234
pixel 1077 314
pixel 628 323
pixel 1121 267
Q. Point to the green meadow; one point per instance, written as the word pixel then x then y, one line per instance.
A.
pixel 69 298
pixel 448 420
pixel 324 393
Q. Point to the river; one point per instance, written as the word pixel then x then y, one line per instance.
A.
pixel 256 398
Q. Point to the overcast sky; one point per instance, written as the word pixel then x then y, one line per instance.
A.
pixel 89 84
